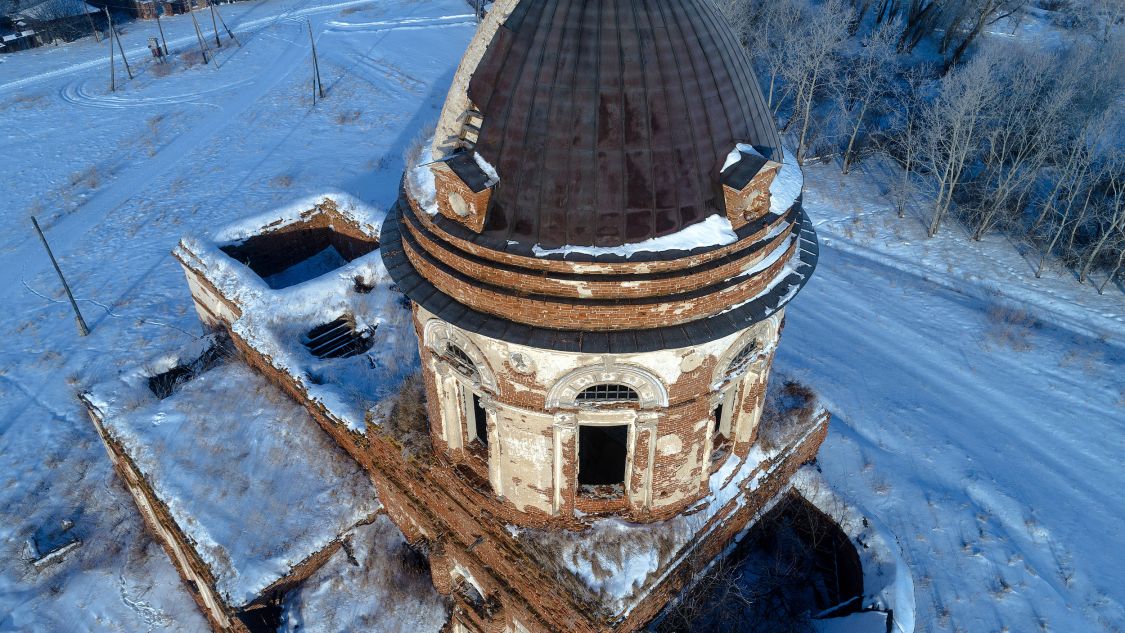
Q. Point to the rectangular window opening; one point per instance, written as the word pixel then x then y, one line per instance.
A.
pixel 602 452
pixel 480 418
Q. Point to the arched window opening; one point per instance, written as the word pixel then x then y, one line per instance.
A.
pixel 607 394
pixel 461 361
pixel 602 453
pixel 743 358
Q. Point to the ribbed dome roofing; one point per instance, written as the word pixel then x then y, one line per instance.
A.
pixel 608 121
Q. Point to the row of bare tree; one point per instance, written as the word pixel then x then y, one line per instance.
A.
pixel 1001 135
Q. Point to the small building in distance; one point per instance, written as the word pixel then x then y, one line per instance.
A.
pixel 26 24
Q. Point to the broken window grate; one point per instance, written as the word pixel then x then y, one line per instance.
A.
pixel 338 339
pixel 607 393
pixel 743 358
pixel 460 361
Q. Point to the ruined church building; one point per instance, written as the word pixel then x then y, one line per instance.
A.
pixel 598 245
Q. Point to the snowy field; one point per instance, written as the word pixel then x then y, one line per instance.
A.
pixel 979 414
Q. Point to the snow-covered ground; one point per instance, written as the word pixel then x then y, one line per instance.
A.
pixel 116 179
pixel 988 440
pixel 979 413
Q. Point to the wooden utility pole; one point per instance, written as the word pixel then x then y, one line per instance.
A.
pixel 112 74
pixel 161 28
pixel 113 34
pixel 93 29
pixel 199 36
pixel 230 33
pixel 82 329
pixel 318 87
pixel 214 26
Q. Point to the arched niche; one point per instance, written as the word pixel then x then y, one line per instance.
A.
pixel 651 392
pixel 439 337
pixel 748 352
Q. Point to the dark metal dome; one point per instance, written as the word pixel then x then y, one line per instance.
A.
pixel 608 121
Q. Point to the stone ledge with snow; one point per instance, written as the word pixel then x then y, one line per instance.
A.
pixel 246 493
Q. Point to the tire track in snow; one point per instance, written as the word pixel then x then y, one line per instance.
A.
pixel 68 232
pixel 460 19
pixel 79 93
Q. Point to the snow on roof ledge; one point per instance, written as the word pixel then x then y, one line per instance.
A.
pixel 273 320
pixel 244 471
pixel 365 217
pixel 714 231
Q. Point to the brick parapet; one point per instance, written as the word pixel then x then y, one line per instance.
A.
pixel 523 281
pixel 604 316
pixel 587 268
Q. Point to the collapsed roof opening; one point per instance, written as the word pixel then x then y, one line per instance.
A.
pixel 299 252
pixel 167 382
pixel 795 565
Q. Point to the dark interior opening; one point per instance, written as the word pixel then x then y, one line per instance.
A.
pixel 606 394
pixel 265 618
pixel 166 383
pixel 602 451
pixel 718 413
pixel 481 421
pixel 298 253
pixel 795 565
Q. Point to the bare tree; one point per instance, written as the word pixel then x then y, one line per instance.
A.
pixel 815 59
pixel 1022 134
pixel 773 32
pixel 972 20
pixel 866 80
pixel 1116 268
pixel 1109 214
pixel 904 143
pixel 951 128
pixel 1070 193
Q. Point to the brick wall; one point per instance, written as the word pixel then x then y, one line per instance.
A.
pixel 563 266
pixel 531 281
pixel 603 316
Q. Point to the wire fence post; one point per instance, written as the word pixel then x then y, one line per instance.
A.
pixel 199 36
pixel 112 74
pixel 230 33
pixel 82 329
pixel 113 35
pixel 160 28
pixel 317 85
pixel 214 27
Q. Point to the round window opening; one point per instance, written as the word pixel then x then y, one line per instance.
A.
pixel 458 204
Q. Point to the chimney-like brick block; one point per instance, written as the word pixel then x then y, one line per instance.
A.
pixel 752 201
pixel 457 201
